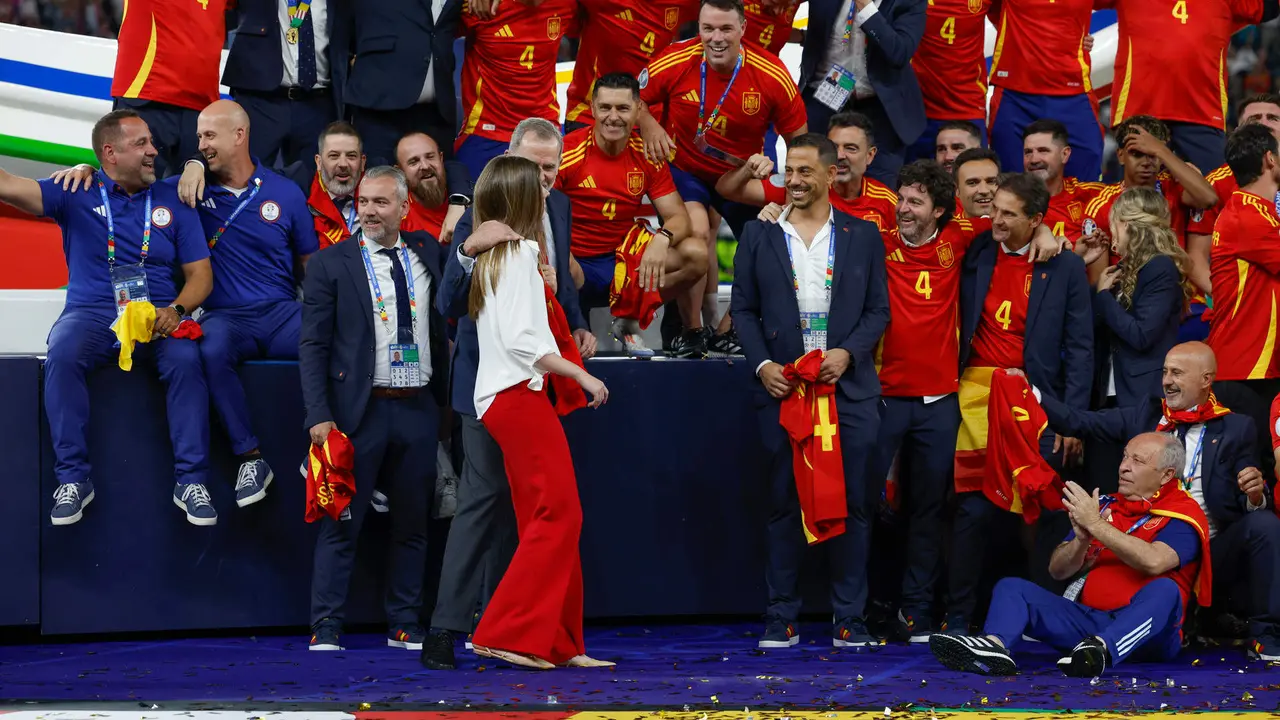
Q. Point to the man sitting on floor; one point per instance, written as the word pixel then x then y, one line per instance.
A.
pixel 1143 553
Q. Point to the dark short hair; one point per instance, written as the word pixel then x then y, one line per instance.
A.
pixel 1130 125
pixel 1258 99
pixel 826 149
pixel 1048 126
pixel 974 155
pixel 617 81
pixel 731 5
pixel 1246 148
pixel 1028 188
pixel 936 181
pixel 963 125
pixel 107 130
pixel 852 119
pixel 340 127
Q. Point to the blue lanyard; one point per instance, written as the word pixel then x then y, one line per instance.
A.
pixel 1195 459
pixel 831 262
pixel 351 216
pixel 702 96
pixel 377 291
pixel 111 227
pixel 1278 203
pixel 257 185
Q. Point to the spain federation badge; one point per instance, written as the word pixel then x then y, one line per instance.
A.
pixel 750 102
pixel 946 256
pixel 635 182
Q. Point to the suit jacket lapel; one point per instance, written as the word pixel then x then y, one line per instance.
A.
pixel 359 277
pixel 778 240
pixel 1039 281
pixel 1209 451
pixel 843 244
pixel 985 269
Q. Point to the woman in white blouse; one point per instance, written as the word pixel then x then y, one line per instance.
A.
pixel 535 617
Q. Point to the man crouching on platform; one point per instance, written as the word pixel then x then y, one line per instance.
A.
pixel 1142 553
pixel 814 285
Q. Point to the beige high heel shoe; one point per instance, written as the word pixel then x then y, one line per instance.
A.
pixel 517 659
pixel 583 661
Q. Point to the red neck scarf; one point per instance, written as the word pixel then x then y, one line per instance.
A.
pixel 1204 412
pixel 331 227
pixel 566 395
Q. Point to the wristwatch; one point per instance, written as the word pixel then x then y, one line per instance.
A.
pixel 664 231
pixel 182 312
pixel 459 199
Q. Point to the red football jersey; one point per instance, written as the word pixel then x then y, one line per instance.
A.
pixel 1040 47
pixel 607 193
pixel 509 70
pixel 998 340
pixel 950 62
pixel 763 94
pixel 1191 36
pixel 1244 267
pixel 769 28
pixel 1067 209
pixel 1098 211
pixel 875 203
pixel 1275 430
pixel 170 51
pixel 424 218
pixel 1224 183
pixel 617 36
pixel 924 294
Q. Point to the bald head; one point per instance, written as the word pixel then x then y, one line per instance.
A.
pixel 1189 370
pixel 223 130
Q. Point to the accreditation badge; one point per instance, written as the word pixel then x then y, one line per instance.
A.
pixel 710 150
pixel 128 284
pixel 836 88
pixel 813 329
pixel 406 371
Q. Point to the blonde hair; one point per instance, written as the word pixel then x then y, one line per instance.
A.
pixel 1145 215
pixel 509 191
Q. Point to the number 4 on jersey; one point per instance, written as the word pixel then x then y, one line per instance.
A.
pixel 1180 11
pixel 923 286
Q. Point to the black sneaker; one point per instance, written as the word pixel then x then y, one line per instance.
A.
pixel 326 635
pixel 914 627
pixel 1265 648
pixel 437 651
pixel 692 344
pixel 725 343
pixel 969 653
pixel 1087 659
pixel 852 632
pixel 779 633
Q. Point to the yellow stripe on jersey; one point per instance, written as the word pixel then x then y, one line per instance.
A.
pixel 1084 66
pixel 963 223
pixel 1000 35
pixel 882 193
pixel 1221 173
pixel 783 78
pixel 1260 368
pixel 148 60
pixel 1095 206
pixel 1242 276
pixel 1123 97
pixel 574 156
pixel 1222 83
pixel 1266 212
pixel 473 118
pixel 675 59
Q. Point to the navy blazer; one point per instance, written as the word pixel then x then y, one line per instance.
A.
pixel 394 42
pixel 1230 445
pixel 451 300
pixel 1137 339
pixel 256 61
pixel 892 36
pixel 1057 351
pixel 335 351
pixel 766 313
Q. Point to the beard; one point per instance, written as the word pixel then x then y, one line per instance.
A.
pixel 337 187
pixel 429 191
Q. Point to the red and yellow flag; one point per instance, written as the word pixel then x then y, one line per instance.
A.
pixel 331 483
pixel 1204 412
pixel 971 440
pixel 1016 477
pixel 809 416
pixel 566 395
pixel 331 229
pixel 627 299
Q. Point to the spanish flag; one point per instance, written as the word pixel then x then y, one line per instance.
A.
pixel 1016 477
pixel 971 440
pixel 566 395
pixel 331 227
pixel 627 299
pixel 1202 413
pixel 809 416
pixel 330 480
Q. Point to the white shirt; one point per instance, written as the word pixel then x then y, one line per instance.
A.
pixel 852 57
pixel 384 334
pixel 319 13
pixel 349 215
pixel 428 93
pixel 809 265
pixel 513 331
pixel 1191 473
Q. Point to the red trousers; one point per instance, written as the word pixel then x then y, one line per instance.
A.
pixel 537 607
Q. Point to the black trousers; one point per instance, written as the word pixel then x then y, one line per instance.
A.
pixel 849 551
pixel 380 130
pixel 286 130
pixel 173 132
pixel 399 436
pixel 1246 570
pixel 482 538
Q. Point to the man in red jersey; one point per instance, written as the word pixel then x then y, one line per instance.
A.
pixel 1045 154
pixel 607 176
pixel 509 74
pixel 1147 160
pixel 167 64
pixel 953 138
pixel 1040 69
pixel 770 24
pixel 1188 37
pixel 339 167
pixel 422 163
pixel 709 102
pixel 952 69
pixel 853 192
pixel 977 172
pixel 618 36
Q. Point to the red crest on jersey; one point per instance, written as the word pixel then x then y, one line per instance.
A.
pixel 671 18
pixel 635 182
pixel 553 28
pixel 1075 211
pixel 750 103
pixel 874 217
pixel 1152 524
pixel 946 257
pixel 975 6
pixel 1026 289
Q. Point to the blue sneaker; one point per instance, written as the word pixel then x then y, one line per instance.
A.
pixel 852 632
pixel 778 633
pixel 252 481
pixel 406 637
pixel 69 501
pixel 193 499
pixel 955 625
pixel 326 635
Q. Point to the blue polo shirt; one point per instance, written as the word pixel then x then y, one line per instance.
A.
pixel 176 239
pixel 253 260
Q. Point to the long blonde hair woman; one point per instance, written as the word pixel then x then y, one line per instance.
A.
pixel 1141 300
pixel 535 617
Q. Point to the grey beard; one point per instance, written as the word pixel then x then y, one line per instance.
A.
pixel 340 188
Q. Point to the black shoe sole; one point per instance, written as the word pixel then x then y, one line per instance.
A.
pixel 1081 666
pixel 955 655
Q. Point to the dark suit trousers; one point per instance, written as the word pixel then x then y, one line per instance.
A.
pixel 482 538
pixel 382 129
pixel 926 437
pixel 399 436
pixel 284 127
pixel 173 132
pixel 849 551
pixel 890 149
pixel 1246 570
